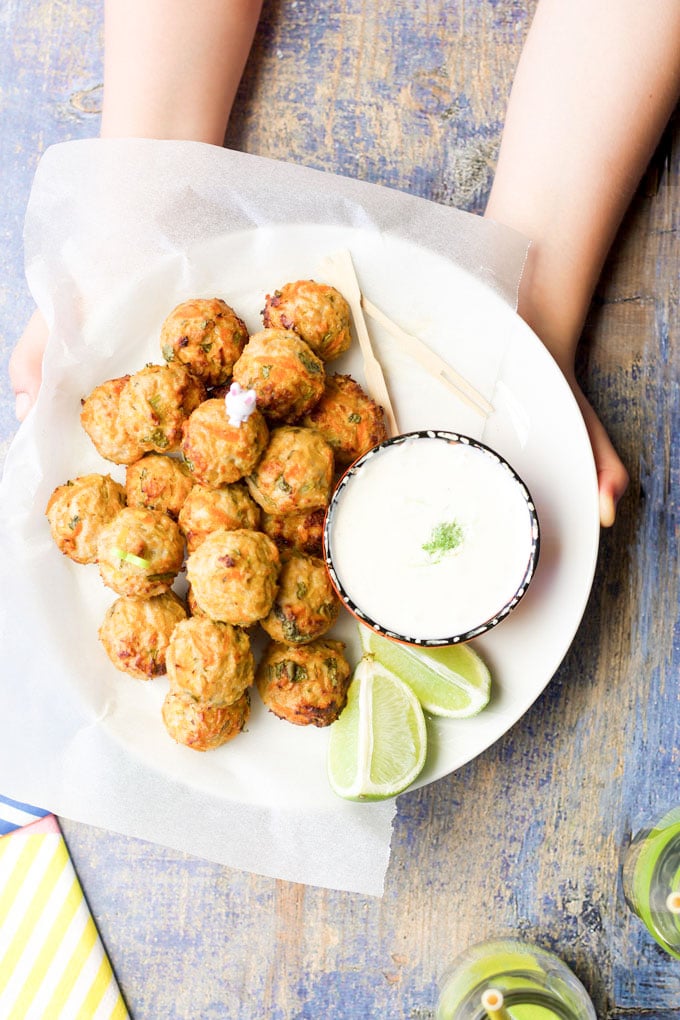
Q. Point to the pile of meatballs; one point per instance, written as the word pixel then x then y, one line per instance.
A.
pixel 238 507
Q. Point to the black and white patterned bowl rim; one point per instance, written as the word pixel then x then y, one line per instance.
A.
pixel 450 437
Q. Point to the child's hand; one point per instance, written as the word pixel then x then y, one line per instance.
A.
pixel 612 476
pixel 25 364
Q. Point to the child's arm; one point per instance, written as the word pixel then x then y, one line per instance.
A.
pixel 171 70
pixel 595 86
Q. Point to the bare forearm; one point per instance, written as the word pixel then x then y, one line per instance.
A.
pixel 172 67
pixel 596 83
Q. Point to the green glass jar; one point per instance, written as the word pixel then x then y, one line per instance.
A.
pixel 650 876
pixel 508 979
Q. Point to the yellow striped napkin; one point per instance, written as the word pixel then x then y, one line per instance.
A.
pixel 53 965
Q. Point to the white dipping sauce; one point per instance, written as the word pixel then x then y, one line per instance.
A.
pixel 431 539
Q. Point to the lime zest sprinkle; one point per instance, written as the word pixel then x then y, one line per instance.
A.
pixel 128 557
pixel 445 538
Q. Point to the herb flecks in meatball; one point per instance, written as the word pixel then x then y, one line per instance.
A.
pixel 316 312
pixel 306 605
pixel 234 576
pixel 295 473
pixel 207 336
pixel 136 632
pixel 286 375
pixel 202 726
pixel 79 510
pixel 206 510
pixel 101 419
pixel 218 453
pixel 304 684
pixel 211 660
pixel 296 533
pixel 157 482
pixel 155 403
pixel 348 419
pixel 140 552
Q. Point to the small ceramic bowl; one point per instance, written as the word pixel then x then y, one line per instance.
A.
pixel 431 538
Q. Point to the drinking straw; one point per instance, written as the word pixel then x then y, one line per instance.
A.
pixel 673 902
pixel 492 1004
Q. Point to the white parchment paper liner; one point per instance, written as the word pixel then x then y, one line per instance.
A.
pixel 117 232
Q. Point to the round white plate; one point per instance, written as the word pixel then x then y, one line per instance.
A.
pixel 536 426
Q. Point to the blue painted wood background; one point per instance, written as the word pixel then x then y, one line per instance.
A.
pixel 526 839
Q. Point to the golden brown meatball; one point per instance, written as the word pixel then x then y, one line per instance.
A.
pixel 295 472
pixel 207 336
pixel 305 683
pixel 100 417
pixel 219 453
pixel 201 726
pixel 135 633
pixel 305 606
pixel 78 511
pixel 211 661
pixel 158 482
pixel 233 576
pixel 317 312
pixel 348 419
pixel 140 552
pixel 296 533
pixel 206 510
pixel 155 403
pixel 286 375
pixel 192 604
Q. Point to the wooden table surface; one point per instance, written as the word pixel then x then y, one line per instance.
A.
pixel 526 838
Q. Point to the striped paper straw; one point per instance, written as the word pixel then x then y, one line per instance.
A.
pixel 53 965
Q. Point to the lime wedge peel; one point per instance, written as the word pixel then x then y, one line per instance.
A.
pixel 452 681
pixel 378 746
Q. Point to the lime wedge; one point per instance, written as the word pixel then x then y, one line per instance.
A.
pixel 451 681
pixel 377 747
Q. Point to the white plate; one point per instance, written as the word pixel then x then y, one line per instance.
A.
pixel 537 427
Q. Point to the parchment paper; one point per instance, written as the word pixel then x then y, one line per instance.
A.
pixel 117 233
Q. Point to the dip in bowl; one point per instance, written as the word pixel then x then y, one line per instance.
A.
pixel 431 538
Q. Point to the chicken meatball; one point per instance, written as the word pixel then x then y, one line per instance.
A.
pixel 206 510
pixel 295 472
pixel 192 604
pixel 218 453
pixel 317 312
pixel 78 511
pixel 348 419
pixel 135 633
pixel 296 533
pixel 305 606
pixel 211 661
pixel 207 336
pixel 140 552
pixel 155 402
pixel 304 683
pixel 202 726
pixel 288 378
pixel 233 576
pixel 100 417
pixel 158 482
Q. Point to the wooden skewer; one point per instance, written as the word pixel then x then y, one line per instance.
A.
pixel 342 269
pixel 431 362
